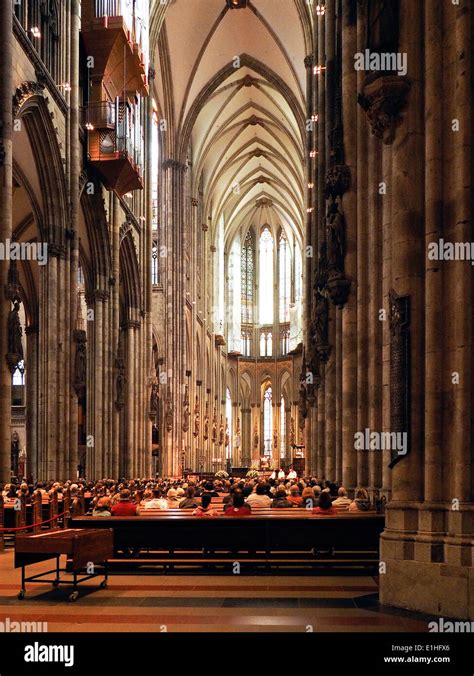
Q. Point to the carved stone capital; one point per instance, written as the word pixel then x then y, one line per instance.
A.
pixel 56 250
pixel 174 164
pixel 98 295
pixel 384 99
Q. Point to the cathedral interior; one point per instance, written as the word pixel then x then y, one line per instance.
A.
pixel 224 244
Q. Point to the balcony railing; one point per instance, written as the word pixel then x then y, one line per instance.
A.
pixel 99 115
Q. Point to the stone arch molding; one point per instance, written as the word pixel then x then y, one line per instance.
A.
pixel 30 107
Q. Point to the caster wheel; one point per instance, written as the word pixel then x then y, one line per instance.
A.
pixel 103 584
pixel 21 595
pixel 74 596
pixel 56 584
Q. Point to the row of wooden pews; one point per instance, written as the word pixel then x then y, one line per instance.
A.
pixel 270 538
pixel 46 511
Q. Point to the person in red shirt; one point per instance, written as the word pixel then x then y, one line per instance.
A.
pixel 125 507
pixel 238 507
pixel 294 496
pixel 324 505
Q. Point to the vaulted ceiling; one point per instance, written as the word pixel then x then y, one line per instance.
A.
pixel 231 85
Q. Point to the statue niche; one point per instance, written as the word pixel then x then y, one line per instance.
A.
pixel 15 333
pixel 383 21
pixel 80 363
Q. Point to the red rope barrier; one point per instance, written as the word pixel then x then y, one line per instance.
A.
pixel 33 525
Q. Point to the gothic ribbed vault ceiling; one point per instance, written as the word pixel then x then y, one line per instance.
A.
pixel 245 116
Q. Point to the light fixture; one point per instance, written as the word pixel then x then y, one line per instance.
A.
pixel 317 70
pixel 320 10
pixel 310 185
pixel 313 153
pixel 309 210
pixel 314 118
pixel 89 126
pixel 36 32
pixel 236 4
pixel 66 86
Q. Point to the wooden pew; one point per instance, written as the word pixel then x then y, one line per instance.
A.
pixel 37 511
pixel 20 511
pixel 2 521
pixel 293 538
pixel 53 510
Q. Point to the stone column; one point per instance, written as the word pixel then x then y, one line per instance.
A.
pixel 115 310
pixel 349 312
pixel 408 256
pixel 74 156
pixel 434 321
pixel 6 181
pixel 362 271
pixel 173 215
pixel 374 305
pixel 398 548
pixel 386 286
pixel 337 471
pixel 32 394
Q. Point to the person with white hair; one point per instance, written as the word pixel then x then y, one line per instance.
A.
pixel 172 496
pixel 342 499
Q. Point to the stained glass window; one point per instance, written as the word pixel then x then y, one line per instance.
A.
pixel 247 278
pixel 298 274
pixel 285 278
pixel 282 428
pixel 228 415
pixel 267 421
pixel 266 277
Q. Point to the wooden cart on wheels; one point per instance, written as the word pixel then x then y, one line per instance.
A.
pixel 82 548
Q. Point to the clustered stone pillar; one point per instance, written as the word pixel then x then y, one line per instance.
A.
pixel 6 180
pixel 173 219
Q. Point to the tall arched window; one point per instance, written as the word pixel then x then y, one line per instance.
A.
pixel 282 428
pixel 50 37
pixel 228 416
pixel 154 264
pixel 298 274
pixel 247 277
pixel 267 421
pixel 285 278
pixel 18 377
pixel 266 277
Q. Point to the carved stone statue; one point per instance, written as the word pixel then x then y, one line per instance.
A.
pixel 206 422
pixel 382 25
pixel 15 332
pixel 335 233
pixel 80 363
pixel 120 383
pixel 214 427
pixel 197 418
pixel 302 405
pixel 227 434
pixel 321 320
pixel 255 436
pixel 221 432
pixel 154 398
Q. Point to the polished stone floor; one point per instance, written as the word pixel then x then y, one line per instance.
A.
pixel 206 603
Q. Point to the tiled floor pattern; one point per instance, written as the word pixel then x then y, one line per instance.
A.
pixel 222 603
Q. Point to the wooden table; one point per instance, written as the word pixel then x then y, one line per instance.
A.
pixel 82 548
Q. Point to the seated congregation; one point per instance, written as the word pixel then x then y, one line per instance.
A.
pixel 206 498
